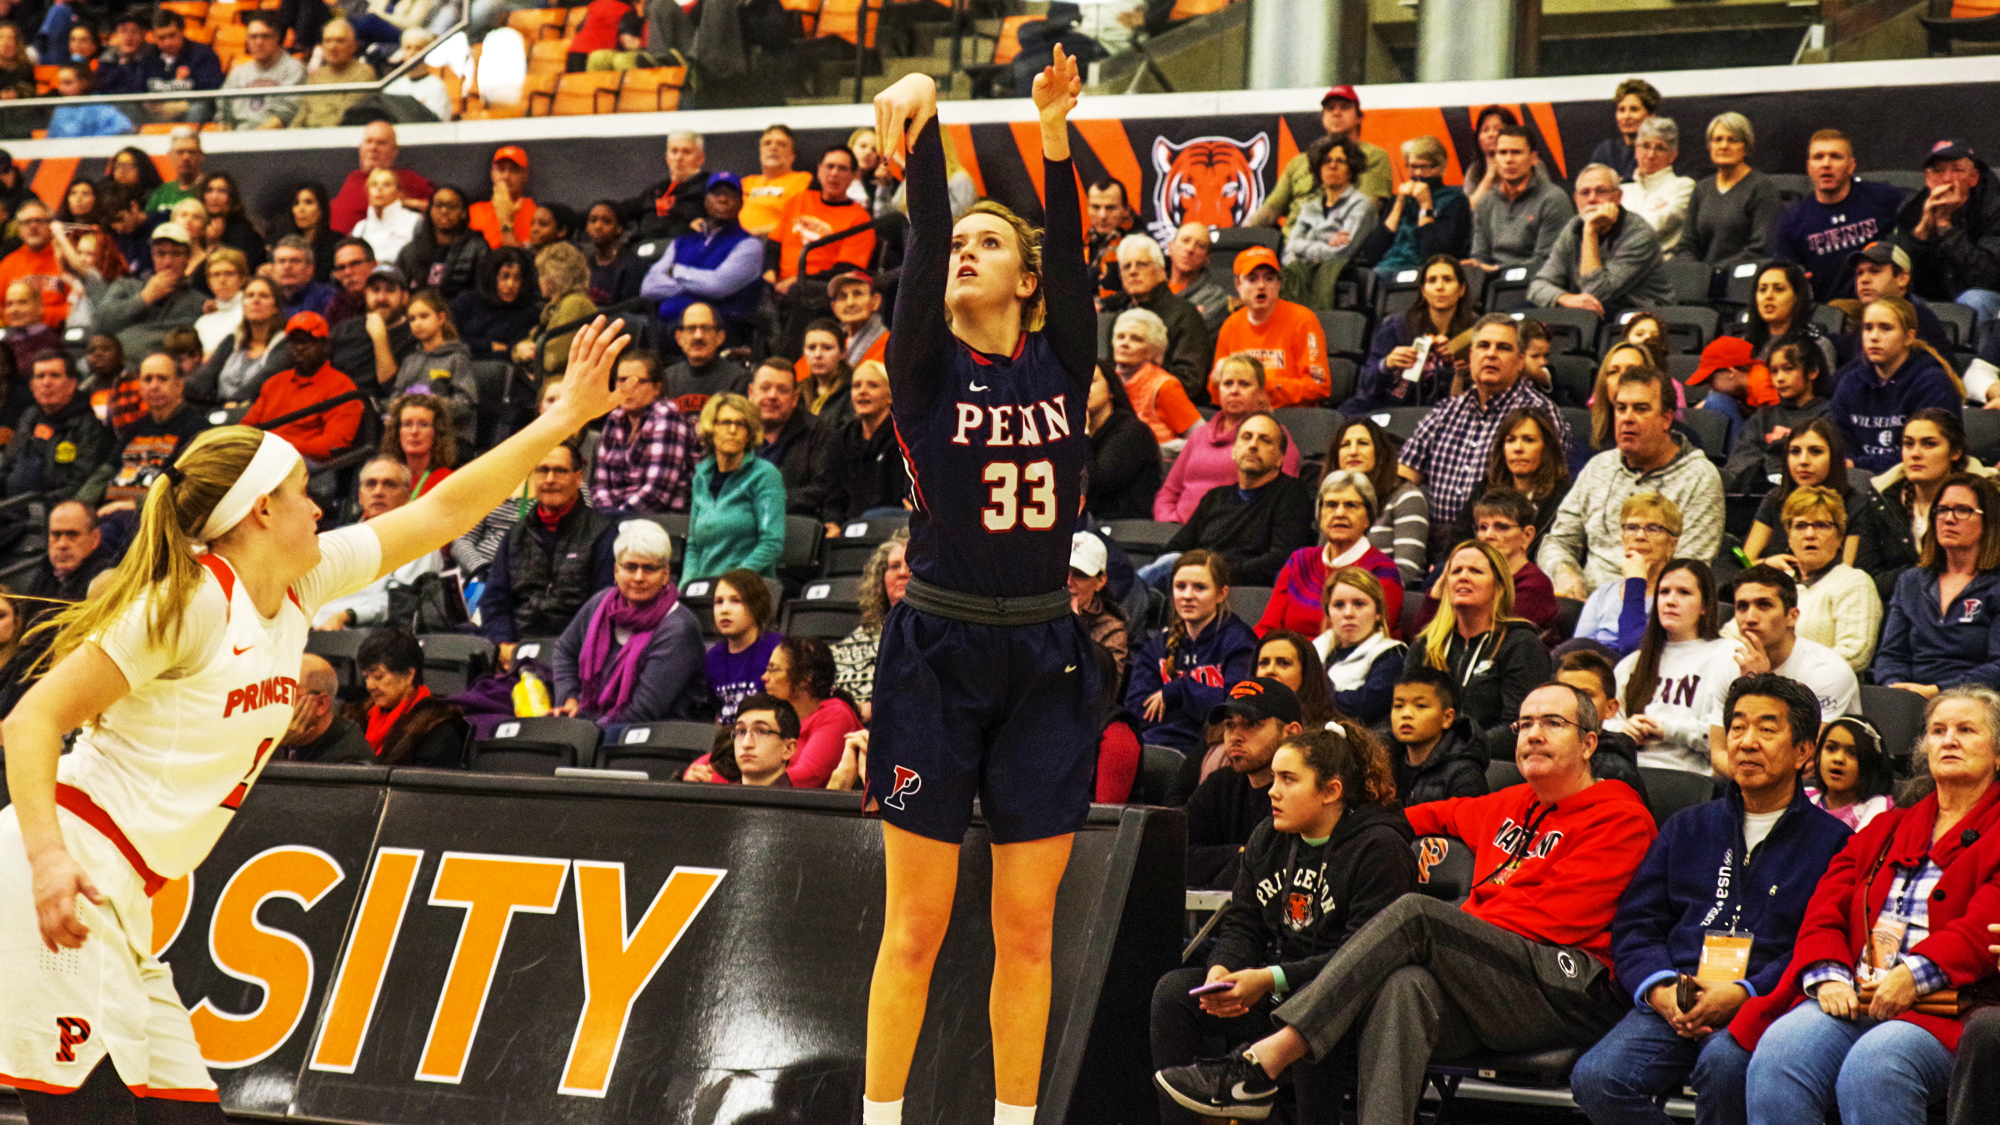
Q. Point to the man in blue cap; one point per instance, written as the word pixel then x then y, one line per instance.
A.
pixel 717 263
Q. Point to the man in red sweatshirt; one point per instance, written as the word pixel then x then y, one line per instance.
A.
pixel 1524 966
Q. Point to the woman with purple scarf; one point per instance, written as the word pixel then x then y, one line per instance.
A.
pixel 633 653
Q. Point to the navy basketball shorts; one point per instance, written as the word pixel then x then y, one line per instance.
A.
pixel 1005 713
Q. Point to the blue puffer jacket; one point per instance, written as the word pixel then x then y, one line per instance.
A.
pixel 1692 880
pixel 1197 678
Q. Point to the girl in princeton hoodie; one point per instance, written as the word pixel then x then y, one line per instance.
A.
pixel 1895 376
pixel 1188 668
pixel 1671 684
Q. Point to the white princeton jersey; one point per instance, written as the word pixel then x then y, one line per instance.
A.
pixel 163 770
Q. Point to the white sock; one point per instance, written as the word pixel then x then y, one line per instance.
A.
pixel 881 1113
pixel 1004 1114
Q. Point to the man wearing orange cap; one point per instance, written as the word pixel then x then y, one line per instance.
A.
pixel 1340 116
pixel 505 218
pixel 1738 381
pixel 310 381
pixel 1286 338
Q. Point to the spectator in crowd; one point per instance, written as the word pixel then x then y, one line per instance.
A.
pixel 1617 757
pixel 504 219
pixel 176 65
pixel 794 440
pixel 1727 226
pixel 863 467
pixel 1895 376
pixel 1184 670
pixel 1494 656
pixel 236 370
pixel 1670 683
pixel 384 486
pixel 719 264
pixel 319 732
pixel 354 263
pixel 76 554
pixel 1656 193
pixel 1437 755
pixel 857 307
pixel 58 442
pixel 1855 780
pixel 825 373
pixel 1192 281
pixel 1480 172
pixel 1927 930
pixel 801 673
pixel 1451 450
pixel 646 456
pixel 292 272
pixel 1839 606
pixel 548 566
pixel 1285 337
pixel 124 211
pixel 1843 214
pixel 388 226
pixel 1428 219
pixel 1187 346
pixel 1782 305
pixel 305 215
pixel 1124 456
pixel 147 446
pixel 445 255
pixel 80 118
pixel 744 614
pixel 671 207
pixel 1502 519
pixel 633 652
pixel 142 315
pixel 1336 222
pixel 1427 980
pixel 1815 456
pixel 1288 918
pixel 440 364
pixel 338 48
pixel 503 307
pixel 191 215
pixel 118 67
pixel 1582 549
pixel 1921 649
pixel 1517 221
pixel 1103 620
pixel 1765 630
pixel 1738 383
pixel 1109 207
pixel 27 334
pixel 1362 660
pixel 1528 459
pixel 407 726
pixel 378 149
pixel 1347 506
pixel 738 511
pixel 422 82
pixel 1890 527
pixel 474 550
pixel 1139 340
pixel 1289 658
pixel 1635 101
pixel 310 381
pixel 553 222
pixel 883 581
pixel 264 64
pixel 1605 259
pixel 565 280
pixel 421 438
pixel 1410 361
pixel 812 215
pixel 1257 521
pixel 37 262
pixel 703 371
pixel 1254 717
pixel 1616 612
pixel 1760 454
pixel 17 78
pixel 764 742
pixel 1952 230
pixel 1401 528
pixel 767 194
pixel 1340 115
pixel 1882 269
pixel 615 272
pixel 375 343
pixel 1666 944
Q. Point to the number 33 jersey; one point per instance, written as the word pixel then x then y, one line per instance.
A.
pixel 163 770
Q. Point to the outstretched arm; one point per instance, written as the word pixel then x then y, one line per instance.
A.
pixel 1071 321
pixel 464 498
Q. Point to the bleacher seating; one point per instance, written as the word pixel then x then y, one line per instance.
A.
pixel 537 746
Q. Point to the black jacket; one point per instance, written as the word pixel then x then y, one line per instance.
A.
pixel 1456 768
pixel 1223 811
pixel 539 579
pixel 644 213
pixel 354 351
pixel 1258 536
pixel 43 582
pixel 343 743
pixel 1887 546
pixel 1190 347
pixel 1124 468
pixel 796 450
pixel 1295 905
pixel 1493 679
pixel 859 473
pixel 55 453
pixel 1965 255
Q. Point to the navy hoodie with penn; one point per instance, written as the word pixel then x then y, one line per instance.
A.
pixel 1871 413
pixel 1195 680
pixel 1694 879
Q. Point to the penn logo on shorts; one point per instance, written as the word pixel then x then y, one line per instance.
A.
pixel 907 782
pixel 71 1032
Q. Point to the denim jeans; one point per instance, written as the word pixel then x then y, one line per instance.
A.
pixel 1727 407
pixel 1984 303
pixel 1159 574
pixel 1885 1073
pixel 1642 1058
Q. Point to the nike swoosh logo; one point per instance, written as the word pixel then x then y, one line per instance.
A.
pixel 241 651
pixel 976 387
pixel 1241 1092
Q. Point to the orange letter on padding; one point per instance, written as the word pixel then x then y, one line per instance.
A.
pixel 615 969
pixel 490 888
pixel 170 911
pixel 276 961
pixel 344 1028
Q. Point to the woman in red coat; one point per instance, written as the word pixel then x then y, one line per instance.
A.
pixel 1899 917
pixel 1347 506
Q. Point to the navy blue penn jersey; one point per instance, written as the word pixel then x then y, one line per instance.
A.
pixel 995 444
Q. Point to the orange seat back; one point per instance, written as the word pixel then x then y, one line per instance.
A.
pixel 575 20
pixel 1189 9
pixel 652 89
pixel 538 23
pixel 1009 45
pixel 838 19
pixel 590 91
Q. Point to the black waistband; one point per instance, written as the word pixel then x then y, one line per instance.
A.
pixel 980 609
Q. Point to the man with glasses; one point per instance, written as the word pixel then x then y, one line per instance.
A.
pixel 1525 965
pixel 765 737
pixel 319 732
pixel 292 275
pixel 552 560
pixel 1516 223
pixel 1584 547
pixel 35 262
pixel 142 318
pixel 375 343
pixel 384 487
pixel 265 64
pixel 1605 259
pixel 352 259
pixel 702 370
pixel 646 456
pixel 1765 630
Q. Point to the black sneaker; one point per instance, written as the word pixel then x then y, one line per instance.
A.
pixel 1231 1086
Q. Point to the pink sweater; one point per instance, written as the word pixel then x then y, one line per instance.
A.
pixel 1204 464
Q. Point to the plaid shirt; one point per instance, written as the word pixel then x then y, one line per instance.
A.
pixel 1910 902
pixel 1451 444
pixel 648 467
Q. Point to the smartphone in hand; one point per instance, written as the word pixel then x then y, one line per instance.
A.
pixel 1212 987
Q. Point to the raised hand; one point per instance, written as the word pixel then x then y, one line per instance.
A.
pixel 901 112
pixel 587 390
pixel 1057 88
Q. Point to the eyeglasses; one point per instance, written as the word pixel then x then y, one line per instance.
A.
pixel 1343 506
pixel 745 734
pixel 730 424
pixel 1814 525
pixel 1955 512
pixel 1553 724
pixel 640 569
pixel 552 471
pixel 1650 530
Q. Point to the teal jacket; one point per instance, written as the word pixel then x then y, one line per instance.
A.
pixel 743 526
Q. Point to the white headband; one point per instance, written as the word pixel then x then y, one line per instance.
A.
pixel 268 469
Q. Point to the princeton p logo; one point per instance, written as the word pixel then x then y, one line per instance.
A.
pixel 71 1033
pixel 907 782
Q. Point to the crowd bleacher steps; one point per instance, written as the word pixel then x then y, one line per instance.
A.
pixel 912 43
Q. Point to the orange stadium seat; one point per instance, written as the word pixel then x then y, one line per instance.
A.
pixel 837 19
pixel 539 23
pixel 224 12
pixel 1189 9
pixel 585 92
pixel 652 90
pixel 199 32
pixel 193 11
pixel 575 21
pixel 1009 44
pixel 547 59
pixel 807 9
